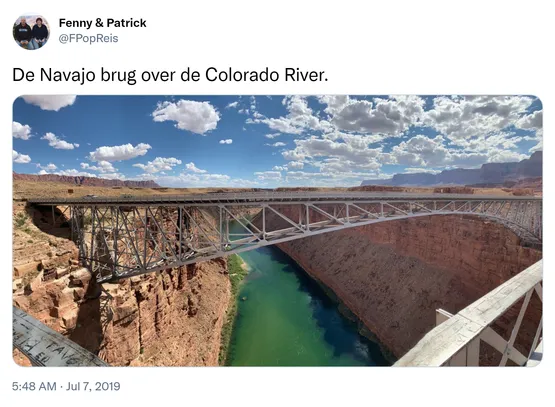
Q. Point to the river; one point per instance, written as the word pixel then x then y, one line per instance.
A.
pixel 285 319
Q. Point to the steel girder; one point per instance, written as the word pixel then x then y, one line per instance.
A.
pixel 123 240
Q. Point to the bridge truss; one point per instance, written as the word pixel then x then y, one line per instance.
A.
pixel 126 237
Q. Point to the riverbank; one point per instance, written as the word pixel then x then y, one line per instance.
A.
pixel 237 270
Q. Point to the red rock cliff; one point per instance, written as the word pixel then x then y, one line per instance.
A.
pixel 169 318
pixel 82 180
pixel 394 275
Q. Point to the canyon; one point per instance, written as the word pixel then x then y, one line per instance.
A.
pixel 391 276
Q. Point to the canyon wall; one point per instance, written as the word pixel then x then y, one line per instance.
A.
pixel 394 275
pixel 168 318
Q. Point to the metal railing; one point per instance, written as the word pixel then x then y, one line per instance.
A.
pixel 456 340
pixel 45 347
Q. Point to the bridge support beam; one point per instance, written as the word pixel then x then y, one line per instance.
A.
pixel 122 239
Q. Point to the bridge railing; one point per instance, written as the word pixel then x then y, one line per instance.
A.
pixel 117 240
pixel 45 347
pixel 456 340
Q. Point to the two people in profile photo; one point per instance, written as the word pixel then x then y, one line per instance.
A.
pixel 30 37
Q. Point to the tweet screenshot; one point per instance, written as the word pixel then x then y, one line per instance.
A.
pixel 293 203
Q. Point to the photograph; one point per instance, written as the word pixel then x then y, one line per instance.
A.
pixel 276 230
pixel 31 32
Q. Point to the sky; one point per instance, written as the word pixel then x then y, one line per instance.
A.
pixel 269 141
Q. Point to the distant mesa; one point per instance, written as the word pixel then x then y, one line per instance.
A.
pixel 85 181
pixel 487 174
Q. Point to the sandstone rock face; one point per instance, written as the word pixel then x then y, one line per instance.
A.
pixel 23 269
pixel 394 275
pixel 170 318
pixel 166 318
pixel 35 283
pixel 152 322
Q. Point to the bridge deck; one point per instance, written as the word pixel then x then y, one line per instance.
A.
pixel 281 197
pixel 460 334
pixel 120 237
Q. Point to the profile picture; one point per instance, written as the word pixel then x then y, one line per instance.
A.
pixel 31 32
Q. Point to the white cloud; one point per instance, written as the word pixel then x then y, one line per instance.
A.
pixel 300 117
pixel 353 137
pixel 386 116
pixel 334 103
pixel 280 124
pixel 227 141
pixel 330 179
pixel 272 135
pixel 277 144
pixel 232 105
pixel 21 131
pixel 411 170
pixel 205 177
pixel 102 166
pixel 537 147
pixel 191 180
pixel 75 173
pixel 196 117
pixel 50 102
pixel 57 143
pixel 353 151
pixel 193 168
pixel 48 167
pixel 268 175
pixel 432 152
pixel 533 121
pixel 114 175
pixel 158 164
pixel 119 153
pixel 421 151
pixel 20 158
pixel 295 165
pixel 461 119
pixel 505 156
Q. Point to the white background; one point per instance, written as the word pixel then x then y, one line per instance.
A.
pixel 370 47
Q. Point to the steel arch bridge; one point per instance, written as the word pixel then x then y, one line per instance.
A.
pixel 129 236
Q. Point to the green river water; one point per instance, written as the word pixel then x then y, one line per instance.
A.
pixel 287 319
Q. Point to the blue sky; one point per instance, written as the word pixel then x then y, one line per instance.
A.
pixel 269 141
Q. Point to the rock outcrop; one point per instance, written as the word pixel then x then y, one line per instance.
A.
pixel 492 173
pixel 85 181
pixel 169 318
